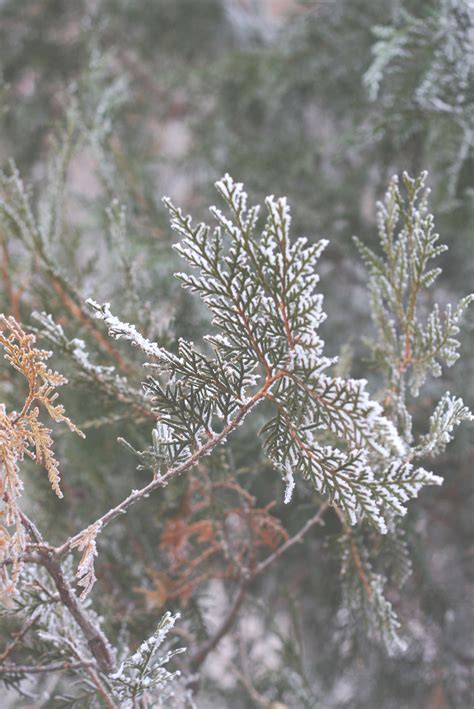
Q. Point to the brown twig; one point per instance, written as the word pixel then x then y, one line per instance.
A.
pixel 17 637
pixel 355 554
pixel 245 678
pixel 201 654
pixel 296 539
pixel 97 641
pixel 109 702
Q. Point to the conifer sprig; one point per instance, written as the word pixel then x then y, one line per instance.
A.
pixel 408 349
pixel 260 289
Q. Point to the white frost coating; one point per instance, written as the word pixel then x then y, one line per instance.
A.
pixel 346 409
pixel 390 433
pixel 162 433
pixel 261 291
pixel 290 484
pixel 402 482
pixel 86 543
pixel 226 223
pixel 145 671
pixel 82 357
pixel 449 412
pixel 233 192
pixel 118 329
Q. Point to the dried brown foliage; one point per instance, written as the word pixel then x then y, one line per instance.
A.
pixel 217 533
pixel 22 433
pixel 86 543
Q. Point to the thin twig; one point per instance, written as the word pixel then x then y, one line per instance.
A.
pixel 90 669
pixel 296 539
pixel 174 472
pixel 201 654
pixel 17 637
pixel 245 679
pixel 101 688
pixel 13 668
pixel 97 641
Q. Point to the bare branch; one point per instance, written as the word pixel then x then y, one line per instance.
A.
pixel 17 637
pixel 201 654
pixel 296 539
pixel 97 641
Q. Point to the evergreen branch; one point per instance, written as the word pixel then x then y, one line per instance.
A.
pixel 142 493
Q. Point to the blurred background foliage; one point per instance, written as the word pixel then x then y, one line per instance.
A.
pixel 320 101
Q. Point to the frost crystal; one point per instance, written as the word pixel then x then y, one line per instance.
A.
pixel 290 484
pixel 143 674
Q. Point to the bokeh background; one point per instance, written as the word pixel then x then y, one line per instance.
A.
pixel 322 101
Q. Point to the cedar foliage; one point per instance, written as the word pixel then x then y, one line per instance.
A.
pixel 299 110
pixel 260 289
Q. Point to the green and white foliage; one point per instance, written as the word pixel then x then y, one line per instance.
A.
pixel 411 344
pixel 143 674
pixel 50 639
pixel 57 645
pixel 260 289
pixel 422 64
pixel 368 567
pixel 449 412
pixel 363 596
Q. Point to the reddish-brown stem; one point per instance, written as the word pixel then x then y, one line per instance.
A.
pixel 289 335
pixel 253 340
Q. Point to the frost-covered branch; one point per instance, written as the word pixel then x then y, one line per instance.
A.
pixel 263 350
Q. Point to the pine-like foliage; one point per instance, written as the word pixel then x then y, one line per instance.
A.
pixel 411 344
pixel 264 350
pixel 144 673
pixel 260 290
pixel 141 676
pixel 421 60
pixel 275 93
